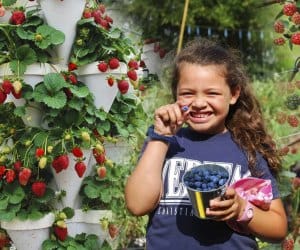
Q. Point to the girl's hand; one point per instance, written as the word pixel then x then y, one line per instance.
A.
pixel 228 208
pixel 169 118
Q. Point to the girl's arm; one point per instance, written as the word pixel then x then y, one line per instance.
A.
pixel 269 225
pixel 144 186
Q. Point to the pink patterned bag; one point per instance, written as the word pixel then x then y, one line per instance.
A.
pixel 255 190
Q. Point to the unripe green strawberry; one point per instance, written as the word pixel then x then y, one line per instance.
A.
pixel 43 162
pixel 5 149
pixel 49 149
pixel 3 158
pixel 27 143
pixel 85 136
pixel 38 37
pixel 61 223
pixel 100 148
pixel 109 163
pixel 62 215
pixel 17 86
pixel 68 137
pixel 104 222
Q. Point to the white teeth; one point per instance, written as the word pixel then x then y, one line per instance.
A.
pixel 200 115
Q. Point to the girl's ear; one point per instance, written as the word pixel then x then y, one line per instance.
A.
pixel 235 94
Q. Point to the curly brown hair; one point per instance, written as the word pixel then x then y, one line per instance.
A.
pixel 245 119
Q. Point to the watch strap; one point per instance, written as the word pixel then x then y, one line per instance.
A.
pixel 247 213
pixel 152 135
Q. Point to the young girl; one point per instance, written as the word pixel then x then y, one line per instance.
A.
pixel 224 127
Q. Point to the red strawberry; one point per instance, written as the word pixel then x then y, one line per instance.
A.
pixel 87 13
pixel 142 64
pixel 39 152
pixel 289 9
pixel 3 97
pixel 102 66
pixel 108 19
pixel 279 41
pixel 61 232
pixel 288 244
pixel 24 176
pixel 295 39
pixel 156 47
pixel 110 81
pixel 2 171
pixel 132 74
pixel 293 120
pixel 77 152
pixel 38 188
pixel 2 11
pixel 80 168
pixel 72 66
pixel 100 159
pixel 296 18
pixel 101 7
pixel 278 27
pixel 18 165
pixel 104 24
pixel 7 86
pixel 123 86
pixel 113 230
pixel 142 87
pixel 68 93
pixel 73 78
pixel 17 17
pixel 114 63
pixel 101 171
pixel 10 175
pixel 16 95
pixel 60 162
pixel 133 64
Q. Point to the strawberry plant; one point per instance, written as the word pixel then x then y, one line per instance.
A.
pixel 26 40
pixel 98 39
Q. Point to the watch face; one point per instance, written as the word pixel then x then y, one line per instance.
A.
pixel 250 212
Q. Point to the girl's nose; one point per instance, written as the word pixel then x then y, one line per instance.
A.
pixel 199 103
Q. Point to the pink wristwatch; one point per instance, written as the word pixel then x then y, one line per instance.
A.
pixel 247 213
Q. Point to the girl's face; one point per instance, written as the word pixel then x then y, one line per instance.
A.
pixel 205 91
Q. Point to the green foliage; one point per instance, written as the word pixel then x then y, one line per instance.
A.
pixel 22 45
pixel 79 242
pixel 95 43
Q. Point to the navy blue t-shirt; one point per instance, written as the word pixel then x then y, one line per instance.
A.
pixel 172 224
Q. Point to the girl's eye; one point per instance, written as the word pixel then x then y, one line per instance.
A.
pixel 213 93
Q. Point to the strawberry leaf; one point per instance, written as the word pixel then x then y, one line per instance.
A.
pixel 7 3
pixel 56 101
pixel 54 82
pixel 80 91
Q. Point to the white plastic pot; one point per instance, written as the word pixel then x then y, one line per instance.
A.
pixel 63 16
pixel 104 95
pixel 29 234
pixel 69 181
pixel 89 222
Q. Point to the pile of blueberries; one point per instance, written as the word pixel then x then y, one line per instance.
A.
pixel 206 178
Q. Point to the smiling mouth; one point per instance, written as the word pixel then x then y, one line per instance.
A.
pixel 200 115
